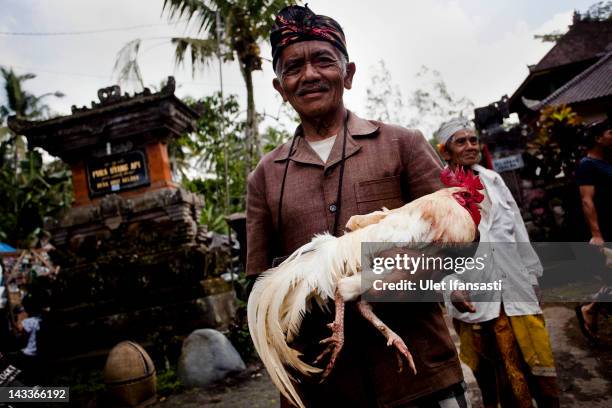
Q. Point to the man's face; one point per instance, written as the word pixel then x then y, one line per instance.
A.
pixel 463 148
pixel 312 78
pixel 606 139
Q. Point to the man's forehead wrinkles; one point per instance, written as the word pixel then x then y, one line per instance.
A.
pixel 307 48
pixel 321 52
pixel 294 58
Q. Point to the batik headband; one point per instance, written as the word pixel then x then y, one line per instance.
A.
pixel 294 24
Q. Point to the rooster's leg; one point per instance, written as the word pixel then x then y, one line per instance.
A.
pixel 392 338
pixel 336 340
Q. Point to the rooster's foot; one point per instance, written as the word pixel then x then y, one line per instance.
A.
pixel 401 350
pixel 392 338
pixel 335 342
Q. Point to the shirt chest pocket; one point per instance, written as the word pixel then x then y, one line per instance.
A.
pixel 372 195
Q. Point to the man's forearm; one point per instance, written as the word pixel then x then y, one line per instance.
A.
pixel 588 207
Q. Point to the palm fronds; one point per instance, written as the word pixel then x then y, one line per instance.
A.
pixel 197 10
pixel 200 50
pixel 126 68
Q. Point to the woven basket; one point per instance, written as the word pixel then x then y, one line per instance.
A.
pixel 129 375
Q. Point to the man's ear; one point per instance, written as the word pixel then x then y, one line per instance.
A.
pixel 350 72
pixel 279 88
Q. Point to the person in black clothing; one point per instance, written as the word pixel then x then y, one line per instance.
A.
pixel 594 177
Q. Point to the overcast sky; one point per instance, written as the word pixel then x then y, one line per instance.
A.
pixel 481 48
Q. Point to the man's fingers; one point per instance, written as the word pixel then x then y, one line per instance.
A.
pixel 464 307
pixel 461 301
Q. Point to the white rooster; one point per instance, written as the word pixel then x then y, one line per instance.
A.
pixel 329 268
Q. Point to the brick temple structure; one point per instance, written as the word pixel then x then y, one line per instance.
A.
pixel 133 257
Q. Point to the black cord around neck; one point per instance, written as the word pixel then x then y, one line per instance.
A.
pixel 340 179
pixel 338 195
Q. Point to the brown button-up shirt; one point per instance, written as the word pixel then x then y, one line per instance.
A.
pixel 385 166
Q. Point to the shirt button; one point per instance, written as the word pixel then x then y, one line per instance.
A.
pixel 333 208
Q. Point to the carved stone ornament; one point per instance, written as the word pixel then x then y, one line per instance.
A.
pixel 109 95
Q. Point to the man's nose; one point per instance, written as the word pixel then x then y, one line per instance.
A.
pixel 310 72
pixel 470 148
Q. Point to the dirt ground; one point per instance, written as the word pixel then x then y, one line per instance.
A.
pixel 584 372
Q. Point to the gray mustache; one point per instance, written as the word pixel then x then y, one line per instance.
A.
pixel 316 88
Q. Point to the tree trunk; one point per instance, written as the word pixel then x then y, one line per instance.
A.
pixel 253 146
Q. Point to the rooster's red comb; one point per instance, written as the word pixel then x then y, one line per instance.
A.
pixel 460 178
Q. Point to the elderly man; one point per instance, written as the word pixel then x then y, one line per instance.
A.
pixel 503 338
pixel 338 165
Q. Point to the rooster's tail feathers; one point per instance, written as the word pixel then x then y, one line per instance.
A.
pixel 275 311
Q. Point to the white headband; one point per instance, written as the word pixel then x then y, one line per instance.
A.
pixel 451 127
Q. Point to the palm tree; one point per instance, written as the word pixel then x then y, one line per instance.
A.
pixel 244 24
pixel 22 104
pixel 30 190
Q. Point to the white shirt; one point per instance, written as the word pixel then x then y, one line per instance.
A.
pixel 517 266
pixel 31 325
pixel 323 147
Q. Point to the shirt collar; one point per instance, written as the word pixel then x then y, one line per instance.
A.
pixel 303 152
pixel 487 176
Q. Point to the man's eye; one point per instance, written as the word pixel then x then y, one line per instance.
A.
pixel 324 62
pixel 292 70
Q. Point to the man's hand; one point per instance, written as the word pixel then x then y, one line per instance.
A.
pixel 461 301
pixel 597 240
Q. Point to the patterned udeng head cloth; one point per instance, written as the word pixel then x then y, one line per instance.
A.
pixel 296 23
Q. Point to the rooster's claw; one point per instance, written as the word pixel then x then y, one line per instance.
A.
pixel 335 342
pixel 402 350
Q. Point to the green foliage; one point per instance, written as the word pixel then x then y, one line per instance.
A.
pixel 557 148
pixel 231 31
pixel 168 382
pixel 31 191
pixel 239 334
pixel 274 137
pixel 29 195
pixel 20 102
pixel 203 152
pixel 213 219
pixel 126 65
pixel 245 23
pixel 199 157
pixel 201 51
